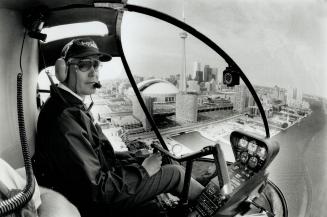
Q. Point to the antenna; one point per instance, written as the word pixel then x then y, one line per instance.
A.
pixel 183 12
pixel 183 36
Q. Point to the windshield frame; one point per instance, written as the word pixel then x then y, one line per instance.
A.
pixel 201 37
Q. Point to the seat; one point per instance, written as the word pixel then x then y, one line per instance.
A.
pixel 53 204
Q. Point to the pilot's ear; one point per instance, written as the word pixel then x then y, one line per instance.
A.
pixel 61 70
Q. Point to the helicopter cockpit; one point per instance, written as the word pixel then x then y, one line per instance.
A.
pixel 155 116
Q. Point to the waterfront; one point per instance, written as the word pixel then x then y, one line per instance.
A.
pixel 299 168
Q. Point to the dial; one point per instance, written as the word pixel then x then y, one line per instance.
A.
pixel 228 78
pixel 252 147
pixel 253 162
pixel 244 157
pixel 243 143
pixel 262 153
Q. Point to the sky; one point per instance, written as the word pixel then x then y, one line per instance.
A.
pixel 274 42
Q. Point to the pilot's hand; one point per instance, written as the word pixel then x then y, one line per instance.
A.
pixel 152 163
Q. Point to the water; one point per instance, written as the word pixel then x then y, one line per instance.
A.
pixel 300 167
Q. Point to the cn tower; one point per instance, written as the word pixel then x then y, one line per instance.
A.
pixel 183 36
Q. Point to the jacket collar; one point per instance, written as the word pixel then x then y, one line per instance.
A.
pixel 68 97
pixel 64 87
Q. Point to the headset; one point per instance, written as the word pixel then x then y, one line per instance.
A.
pixel 61 70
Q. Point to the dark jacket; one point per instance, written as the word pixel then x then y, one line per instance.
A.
pixel 74 157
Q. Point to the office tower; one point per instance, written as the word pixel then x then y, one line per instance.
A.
pixel 299 95
pixel 276 92
pixel 294 93
pixel 289 95
pixel 207 73
pixel 196 69
pixel 199 76
pixel 294 96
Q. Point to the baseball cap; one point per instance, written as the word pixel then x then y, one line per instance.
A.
pixel 83 47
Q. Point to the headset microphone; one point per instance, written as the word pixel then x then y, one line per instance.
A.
pixel 97 85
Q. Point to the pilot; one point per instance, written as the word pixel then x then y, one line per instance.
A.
pixel 73 156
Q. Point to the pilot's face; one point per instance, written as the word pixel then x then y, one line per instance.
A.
pixel 83 74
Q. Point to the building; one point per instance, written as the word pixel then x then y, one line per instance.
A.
pixel 241 98
pixel 213 102
pixel 208 86
pixel 254 111
pixel 199 76
pixel 154 92
pixel 196 69
pixel 126 122
pixel 277 92
pixel 207 73
pixel 123 87
pixel 215 75
pixel 193 87
pixel 294 97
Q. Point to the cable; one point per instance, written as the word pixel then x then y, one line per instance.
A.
pixel 91 105
pixel 21 52
pixel 22 198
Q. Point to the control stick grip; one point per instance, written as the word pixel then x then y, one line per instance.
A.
pixel 222 171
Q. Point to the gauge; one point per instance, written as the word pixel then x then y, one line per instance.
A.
pixel 252 147
pixel 253 162
pixel 244 157
pixel 261 152
pixel 243 142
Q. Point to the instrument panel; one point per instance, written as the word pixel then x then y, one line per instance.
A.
pixel 251 153
pixel 246 174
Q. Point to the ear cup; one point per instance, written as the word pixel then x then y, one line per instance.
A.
pixel 61 69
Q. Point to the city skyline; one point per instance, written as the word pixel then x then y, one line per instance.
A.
pixel 273 42
pixel 202 68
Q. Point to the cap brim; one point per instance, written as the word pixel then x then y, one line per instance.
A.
pixel 103 57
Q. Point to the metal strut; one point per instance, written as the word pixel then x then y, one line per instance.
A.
pixel 138 94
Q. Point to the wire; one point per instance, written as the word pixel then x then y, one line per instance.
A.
pixel 91 105
pixel 21 52
pixel 23 197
